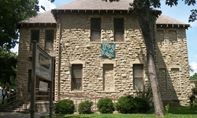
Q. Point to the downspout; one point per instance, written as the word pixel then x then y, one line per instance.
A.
pixel 59 57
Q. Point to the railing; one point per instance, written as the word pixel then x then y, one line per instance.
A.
pixel 9 99
pixel 9 102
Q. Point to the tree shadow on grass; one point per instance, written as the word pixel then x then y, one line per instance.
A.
pixel 182 110
pixel 78 116
pixel 71 116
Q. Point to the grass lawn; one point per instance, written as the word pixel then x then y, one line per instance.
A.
pixel 173 112
pixel 126 116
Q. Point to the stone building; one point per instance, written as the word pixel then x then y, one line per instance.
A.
pixel 100 52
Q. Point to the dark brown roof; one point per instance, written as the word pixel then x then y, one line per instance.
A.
pixel 41 18
pixel 48 17
pixel 163 19
pixel 97 5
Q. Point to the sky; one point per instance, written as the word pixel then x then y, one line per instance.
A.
pixel 180 12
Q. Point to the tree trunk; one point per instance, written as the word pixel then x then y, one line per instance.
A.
pixel 158 104
pixel 146 20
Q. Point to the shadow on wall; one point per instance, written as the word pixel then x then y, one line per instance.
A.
pixel 168 66
pixel 168 78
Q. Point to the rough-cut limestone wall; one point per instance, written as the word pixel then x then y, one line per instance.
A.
pixel 78 49
pixel 24 60
pixel 172 56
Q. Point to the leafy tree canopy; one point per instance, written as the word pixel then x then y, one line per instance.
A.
pixel 7 68
pixel 140 4
pixel 194 77
pixel 12 12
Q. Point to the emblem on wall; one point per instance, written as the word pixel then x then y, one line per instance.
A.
pixel 108 50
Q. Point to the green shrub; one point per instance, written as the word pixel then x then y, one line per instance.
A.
pixel 105 105
pixel 125 104
pixel 64 107
pixel 85 107
pixel 129 104
pixel 194 91
pixel 142 105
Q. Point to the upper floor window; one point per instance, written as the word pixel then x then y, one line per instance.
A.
pixel 95 29
pixel 118 29
pixel 49 37
pixel 172 35
pixel 35 35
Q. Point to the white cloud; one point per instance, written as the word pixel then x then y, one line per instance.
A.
pixel 193 67
pixel 47 5
pixel 15 49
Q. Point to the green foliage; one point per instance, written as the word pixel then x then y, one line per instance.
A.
pixel 193 16
pixel 194 77
pixel 173 112
pixel 85 107
pixel 146 94
pixel 181 110
pixel 193 99
pixel 129 104
pixel 7 68
pixel 64 107
pixel 194 91
pixel 125 104
pixel 142 105
pixel 105 105
pixel 12 12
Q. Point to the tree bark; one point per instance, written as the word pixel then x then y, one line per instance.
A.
pixel 146 20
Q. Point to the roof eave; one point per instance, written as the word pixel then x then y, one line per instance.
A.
pixel 91 11
pixel 26 24
pixel 162 25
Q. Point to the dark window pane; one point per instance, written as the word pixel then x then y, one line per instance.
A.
pixel 35 35
pixel 138 82
pixel 138 70
pixel 95 29
pixel 76 82
pixel 49 37
pixel 118 29
pixel 163 79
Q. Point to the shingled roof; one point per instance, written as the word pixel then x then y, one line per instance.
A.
pixel 77 5
pixel 46 18
pixel 166 20
pixel 97 5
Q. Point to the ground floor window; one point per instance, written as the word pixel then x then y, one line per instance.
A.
pixel 108 77
pixel 138 82
pixel 76 77
pixel 163 78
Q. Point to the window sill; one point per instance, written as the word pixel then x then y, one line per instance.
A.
pixel 76 91
pixel 107 91
pixel 109 42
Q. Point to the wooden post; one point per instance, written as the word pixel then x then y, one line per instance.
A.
pixel 33 80
pixel 51 88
